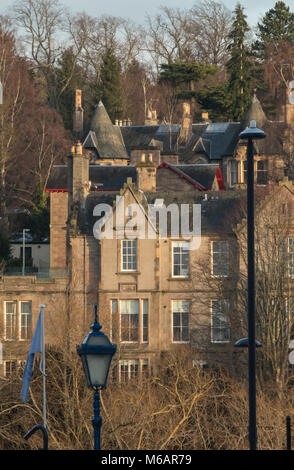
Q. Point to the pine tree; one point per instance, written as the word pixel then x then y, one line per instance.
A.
pixel 239 66
pixel 110 88
pixel 216 100
pixel 183 76
pixel 277 25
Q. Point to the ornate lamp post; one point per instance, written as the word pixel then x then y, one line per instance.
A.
pixel 250 134
pixel 96 352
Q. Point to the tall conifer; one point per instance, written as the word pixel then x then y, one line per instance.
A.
pixel 239 65
pixel 111 93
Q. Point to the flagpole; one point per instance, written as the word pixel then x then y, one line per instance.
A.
pixel 42 365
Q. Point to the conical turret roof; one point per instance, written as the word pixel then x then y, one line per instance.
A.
pixel 254 112
pixel 105 137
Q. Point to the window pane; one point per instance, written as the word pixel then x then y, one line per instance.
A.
pixel 181 320
pixel 129 255
pixel 145 321
pixel 180 253
pixel 262 173
pixel 129 310
pixel 26 320
pixel 11 320
pixel 114 306
pixel 220 258
pixel 220 329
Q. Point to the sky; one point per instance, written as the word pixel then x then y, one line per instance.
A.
pixel 136 10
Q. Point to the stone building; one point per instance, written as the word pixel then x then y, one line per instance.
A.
pixel 149 290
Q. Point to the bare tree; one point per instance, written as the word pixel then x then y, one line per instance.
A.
pixel 274 288
pixel 46 25
pixel 167 36
pixel 209 27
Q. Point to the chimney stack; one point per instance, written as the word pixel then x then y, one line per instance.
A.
pixel 205 116
pixel 146 174
pixel 78 117
pixel 78 174
pixel 186 125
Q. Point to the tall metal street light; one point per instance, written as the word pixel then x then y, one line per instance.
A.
pixel 96 352
pixel 250 134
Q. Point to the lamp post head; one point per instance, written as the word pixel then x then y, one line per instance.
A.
pixel 243 343
pixel 252 132
pixel 96 352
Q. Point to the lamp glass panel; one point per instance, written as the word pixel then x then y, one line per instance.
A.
pixel 98 364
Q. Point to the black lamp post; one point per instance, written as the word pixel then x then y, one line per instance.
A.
pixel 96 352
pixel 250 134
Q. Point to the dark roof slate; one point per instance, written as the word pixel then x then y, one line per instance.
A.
pixel 218 213
pixel 109 142
pixel 201 173
pixel 106 177
pixel 254 112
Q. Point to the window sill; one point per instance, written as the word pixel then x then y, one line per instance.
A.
pixel 180 342
pixel 179 278
pixel 128 272
pixel 220 342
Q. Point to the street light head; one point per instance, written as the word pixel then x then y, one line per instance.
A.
pixel 252 132
pixel 96 352
pixel 243 343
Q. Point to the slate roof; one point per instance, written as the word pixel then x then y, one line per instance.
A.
pixel 201 175
pixel 254 112
pixel 104 137
pixel 218 213
pixel 214 140
pixel 102 177
pixel 163 136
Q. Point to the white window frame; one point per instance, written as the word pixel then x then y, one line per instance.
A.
pixel 138 363
pixel 181 326
pixel 25 315
pixel 180 244
pixel 16 320
pixel 231 163
pixel 264 171
pixel 223 305
pixel 143 316
pixel 5 363
pixel 214 252
pixel 130 313
pixel 244 163
pixel 131 374
pixel 133 254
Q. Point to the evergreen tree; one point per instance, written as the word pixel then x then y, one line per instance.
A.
pixel 277 25
pixel 183 76
pixel 216 100
pixel 69 78
pixel 239 65
pixel 274 51
pixel 110 88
